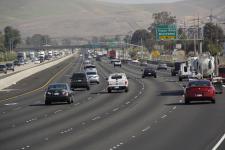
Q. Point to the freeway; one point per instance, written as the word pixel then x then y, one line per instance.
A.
pixel 152 115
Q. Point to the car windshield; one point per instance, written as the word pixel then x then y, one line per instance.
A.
pixel 91 73
pixel 9 65
pixel 57 86
pixel 199 83
pixel 90 67
pixel 2 66
pixel 78 76
pixel 116 77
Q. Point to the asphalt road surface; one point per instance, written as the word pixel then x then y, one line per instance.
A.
pixel 151 116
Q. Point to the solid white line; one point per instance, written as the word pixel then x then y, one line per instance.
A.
pixel 174 107
pixel 146 129
pixel 219 143
pixel 115 109
pixel 164 116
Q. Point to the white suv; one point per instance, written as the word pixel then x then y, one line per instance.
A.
pixel 93 76
pixel 117 81
pixel 117 63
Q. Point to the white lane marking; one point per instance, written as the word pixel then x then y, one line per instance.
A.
pixel 18 108
pixel 128 102
pixel 133 136
pixel 11 104
pixel 115 109
pixel 76 104
pixel 8 90
pixel 164 116
pixel 223 85
pixel 146 129
pixel 89 98
pixel 57 111
pixel 219 143
pixel 174 107
pixel 135 97
pixel 96 118
pixel 140 92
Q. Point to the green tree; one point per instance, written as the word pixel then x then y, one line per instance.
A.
pixel 12 37
pixel 142 37
pixel 162 17
pixel 2 47
pixel 213 38
pixel 38 40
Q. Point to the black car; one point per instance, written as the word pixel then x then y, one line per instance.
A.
pixel 175 70
pixel 79 80
pixel 59 92
pixel 148 72
pixel 3 68
pixel 10 66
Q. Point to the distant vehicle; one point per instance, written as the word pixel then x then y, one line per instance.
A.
pixel 113 60
pixel 58 92
pixel 31 55
pixel 90 67
pixel 93 76
pixel 162 67
pixel 98 58
pixel 117 63
pixel 21 62
pixel 175 70
pixel 218 84
pixel 21 56
pixel 113 54
pixel 50 54
pixel 135 61
pixel 87 62
pixel 144 63
pixel 41 56
pixel 79 80
pixel 199 90
pixel 149 72
pixel 222 72
pixel 3 68
pixel 10 66
pixel 36 61
pixel 117 81
pixel 16 63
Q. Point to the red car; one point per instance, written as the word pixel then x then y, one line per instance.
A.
pixel 200 90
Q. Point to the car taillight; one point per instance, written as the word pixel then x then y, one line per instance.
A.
pixel 125 82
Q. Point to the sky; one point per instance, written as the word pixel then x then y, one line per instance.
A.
pixel 140 1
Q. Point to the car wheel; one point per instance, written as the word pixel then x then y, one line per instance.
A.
pixel 180 79
pixel 213 101
pixel 155 76
pixel 143 76
pixel 187 101
pixel 88 88
pixel 126 90
pixel 109 90
pixel 47 102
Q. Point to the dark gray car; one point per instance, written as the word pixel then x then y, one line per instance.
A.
pixel 3 68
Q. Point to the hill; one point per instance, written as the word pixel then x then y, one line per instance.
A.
pixel 85 18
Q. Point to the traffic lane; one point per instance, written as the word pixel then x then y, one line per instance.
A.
pixel 116 135
pixel 37 103
pixel 128 123
pixel 38 80
pixel 69 117
pixel 196 126
pixel 16 101
pixel 32 102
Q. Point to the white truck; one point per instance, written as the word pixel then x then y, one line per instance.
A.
pixel 21 56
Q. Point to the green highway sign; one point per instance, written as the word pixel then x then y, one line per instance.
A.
pixel 166 32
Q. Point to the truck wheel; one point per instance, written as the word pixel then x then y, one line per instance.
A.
pixel 186 101
pixel 180 79
pixel 109 90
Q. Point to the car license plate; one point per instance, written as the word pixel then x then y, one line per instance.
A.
pixel 149 73
pixel 56 94
pixel 116 87
pixel 198 95
pixel 79 80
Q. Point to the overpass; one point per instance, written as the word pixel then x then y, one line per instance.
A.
pixel 97 45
